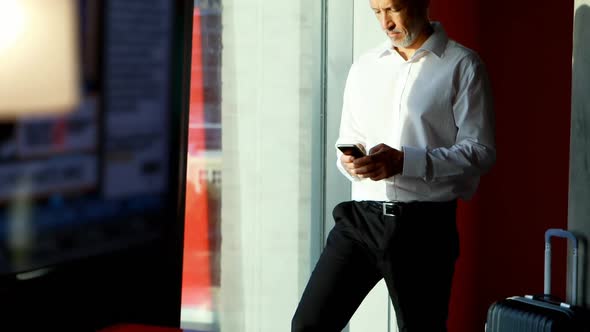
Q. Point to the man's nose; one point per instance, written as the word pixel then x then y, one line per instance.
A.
pixel 385 21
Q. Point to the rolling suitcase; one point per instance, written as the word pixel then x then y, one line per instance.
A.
pixel 542 313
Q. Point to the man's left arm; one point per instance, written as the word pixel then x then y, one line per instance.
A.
pixel 474 152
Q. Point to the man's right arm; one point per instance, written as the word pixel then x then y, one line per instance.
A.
pixel 349 132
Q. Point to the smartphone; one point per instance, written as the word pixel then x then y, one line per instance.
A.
pixel 351 150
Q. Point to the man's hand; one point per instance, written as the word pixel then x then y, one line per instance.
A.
pixel 382 162
pixel 348 163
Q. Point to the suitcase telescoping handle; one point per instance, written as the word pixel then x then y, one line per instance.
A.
pixel 554 232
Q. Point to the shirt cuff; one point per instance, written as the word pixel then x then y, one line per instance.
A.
pixel 414 162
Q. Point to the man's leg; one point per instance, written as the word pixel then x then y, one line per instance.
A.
pixel 343 276
pixel 419 270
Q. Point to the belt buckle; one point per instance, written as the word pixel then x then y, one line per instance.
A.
pixel 390 212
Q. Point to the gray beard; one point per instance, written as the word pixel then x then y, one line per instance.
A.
pixel 407 41
pixel 410 38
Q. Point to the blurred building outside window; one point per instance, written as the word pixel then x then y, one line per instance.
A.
pixel 248 198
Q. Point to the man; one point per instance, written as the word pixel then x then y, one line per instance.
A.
pixel 421 105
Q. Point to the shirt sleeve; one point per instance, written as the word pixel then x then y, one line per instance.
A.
pixel 474 152
pixel 349 132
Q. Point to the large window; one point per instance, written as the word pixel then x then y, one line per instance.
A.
pixel 251 233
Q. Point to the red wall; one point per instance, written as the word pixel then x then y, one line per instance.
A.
pixel 527 47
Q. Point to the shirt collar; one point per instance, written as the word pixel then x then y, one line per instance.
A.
pixel 436 43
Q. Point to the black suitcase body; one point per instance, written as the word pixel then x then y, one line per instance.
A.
pixel 532 314
pixel 542 313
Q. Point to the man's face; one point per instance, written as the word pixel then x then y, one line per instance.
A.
pixel 401 20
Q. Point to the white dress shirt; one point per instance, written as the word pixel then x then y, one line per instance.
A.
pixel 436 107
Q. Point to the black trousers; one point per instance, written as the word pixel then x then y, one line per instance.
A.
pixel 415 252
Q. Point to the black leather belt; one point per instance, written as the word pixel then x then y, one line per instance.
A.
pixel 398 209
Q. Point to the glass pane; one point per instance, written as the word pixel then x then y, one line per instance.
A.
pixel 248 238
